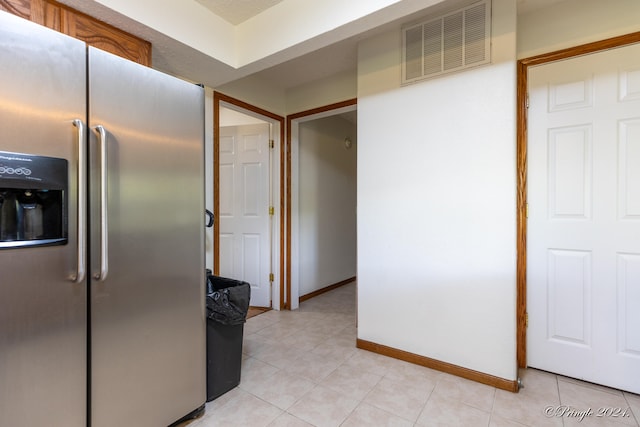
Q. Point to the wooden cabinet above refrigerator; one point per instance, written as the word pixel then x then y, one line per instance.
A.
pixel 76 24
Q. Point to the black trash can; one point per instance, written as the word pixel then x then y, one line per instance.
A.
pixel 227 307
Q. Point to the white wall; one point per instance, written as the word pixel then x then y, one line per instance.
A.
pixel 229 117
pixel 327 203
pixel 258 93
pixel 329 90
pixel 255 91
pixel 436 205
pixel 575 22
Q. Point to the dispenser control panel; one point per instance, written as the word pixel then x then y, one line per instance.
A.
pixel 33 200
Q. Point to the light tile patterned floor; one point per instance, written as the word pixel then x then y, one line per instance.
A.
pixel 301 368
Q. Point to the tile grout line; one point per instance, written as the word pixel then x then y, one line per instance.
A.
pixel 559 394
pixel 630 409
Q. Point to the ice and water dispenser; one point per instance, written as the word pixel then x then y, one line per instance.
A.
pixel 33 200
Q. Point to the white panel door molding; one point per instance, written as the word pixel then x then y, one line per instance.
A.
pixel 245 238
pixel 583 236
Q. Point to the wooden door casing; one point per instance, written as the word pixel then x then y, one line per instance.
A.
pixel 583 231
pixel 522 167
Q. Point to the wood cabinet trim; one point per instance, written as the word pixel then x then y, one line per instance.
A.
pixel 92 31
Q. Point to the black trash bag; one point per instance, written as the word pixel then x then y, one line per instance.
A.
pixel 227 300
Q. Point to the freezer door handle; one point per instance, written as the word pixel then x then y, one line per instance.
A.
pixel 104 224
pixel 82 203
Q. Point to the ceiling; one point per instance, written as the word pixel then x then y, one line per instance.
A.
pixel 238 11
pixel 336 58
pixel 340 56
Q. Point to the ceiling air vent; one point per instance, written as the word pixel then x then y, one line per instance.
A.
pixel 453 42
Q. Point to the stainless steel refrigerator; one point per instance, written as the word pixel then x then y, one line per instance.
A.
pixel 102 318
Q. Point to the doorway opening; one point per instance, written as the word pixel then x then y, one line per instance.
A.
pixel 321 207
pixel 247 202
pixel 524 258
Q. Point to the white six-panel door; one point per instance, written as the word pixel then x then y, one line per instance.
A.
pixel 583 273
pixel 244 208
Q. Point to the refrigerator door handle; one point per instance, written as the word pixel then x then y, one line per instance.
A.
pixel 82 203
pixel 104 230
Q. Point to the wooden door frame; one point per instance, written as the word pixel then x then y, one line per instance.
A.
pixel 219 98
pixel 522 165
pixel 290 119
